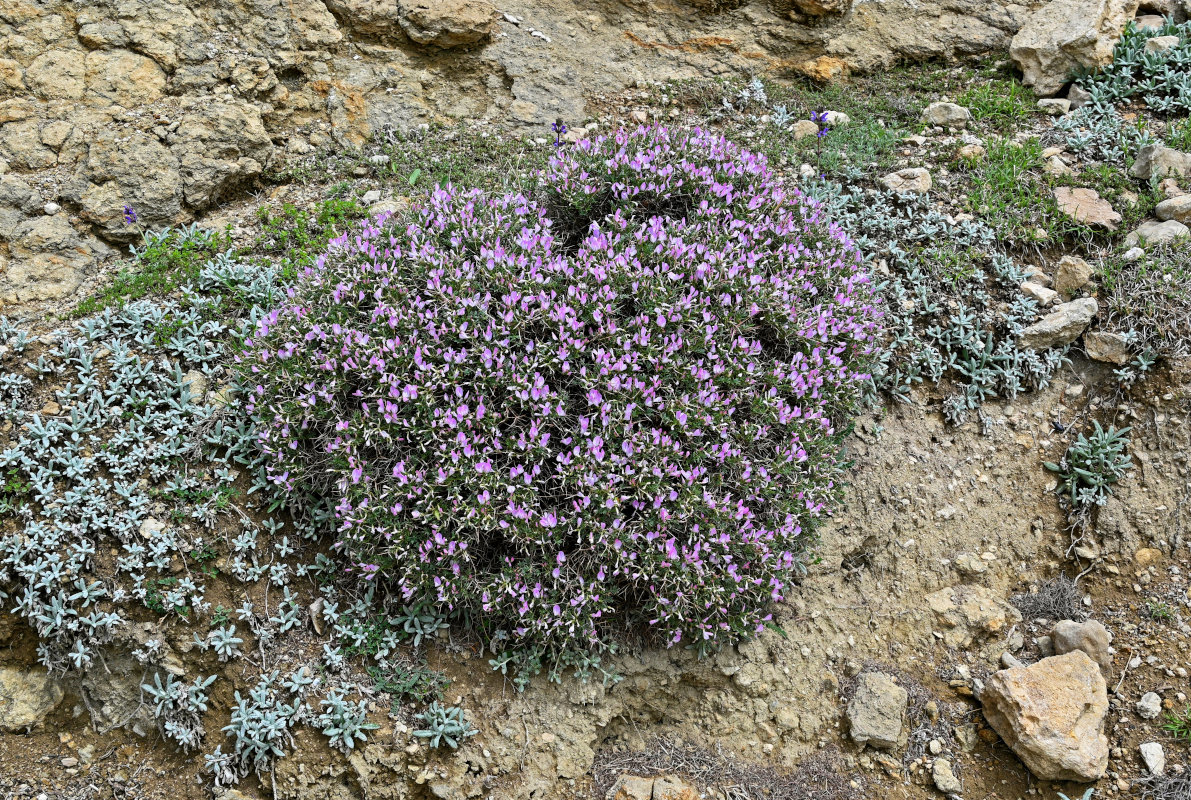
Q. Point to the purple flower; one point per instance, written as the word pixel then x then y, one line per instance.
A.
pixel 559 127
pixel 130 216
pixel 569 423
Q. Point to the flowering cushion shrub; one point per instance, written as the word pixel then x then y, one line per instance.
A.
pixel 613 405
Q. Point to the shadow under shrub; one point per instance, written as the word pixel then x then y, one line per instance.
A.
pixel 613 406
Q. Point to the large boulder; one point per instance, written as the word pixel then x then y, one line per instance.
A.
pixel 1065 35
pixel 1051 714
pixel 876 709
pixel 26 698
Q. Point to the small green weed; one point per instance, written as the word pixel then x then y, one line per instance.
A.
pixel 1159 611
pixel 1000 103
pixel 1178 724
pixel 166 260
pixel 415 682
pixel 297 237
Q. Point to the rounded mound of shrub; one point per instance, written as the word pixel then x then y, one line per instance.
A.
pixel 613 405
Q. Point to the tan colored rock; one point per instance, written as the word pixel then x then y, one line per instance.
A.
pixel 1072 275
pixel 631 787
pixel 971 152
pixel 124 78
pixel 1150 22
pixel 1064 35
pixel 221 148
pixel 670 787
pixel 57 75
pixel 1043 295
pixel 1086 207
pixel 447 23
pixel 1051 714
pixel 1160 44
pixel 1152 232
pixel 949 115
pixel 1176 208
pixel 1091 637
pixel 27 697
pixel 1054 106
pixel 970 614
pixel 1107 347
pixel 911 179
pixel 1060 327
pixel 875 711
pixel 804 129
pixel 1160 161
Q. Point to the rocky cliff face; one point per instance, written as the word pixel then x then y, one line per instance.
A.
pixel 171 107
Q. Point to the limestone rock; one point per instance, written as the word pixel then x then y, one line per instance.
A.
pixel 876 709
pixel 970 614
pixel 1054 106
pixel 1152 232
pixel 944 777
pixel 631 787
pixel 447 23
pixel 1090 637
pixel 1176 208
pixel 26 697
pixel 819 8
pixel 949 115
pixel 1150 22
pixel 804 129
pixel 221 147
pixel 1107 347
pixel 48 259
pixel 135 169
pixel 1040 293
pixel 1071 275
pixel 1154 757
pixel 911 179
pixel 1149 706
pixel 1158 160
pixel 669 787
pixel 1060 327
pixel 1087 207
pixel 1160 44
pixel 1065 35
pixel 1051 714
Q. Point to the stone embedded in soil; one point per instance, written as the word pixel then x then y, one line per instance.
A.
pixel 1090 637
pixel 1160 161
pixel 1054 106
pixel 1111 348
pixel 1051 714
pixel 1060 327
pixel 1040 293
pixel 804 129
pixel 1176 208
pixel 1086 207
pixel 1149 706
pixel 1072 275
pixel 876 709
pixel 631 787
pixel 970 614
pixel 1154 757
pixel 27 696
pixel 1151 233
pixel 1065 35
pixel 944 777
pixel 669 787
pixel 1160 44
pixel 912 179
pixel 949 115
